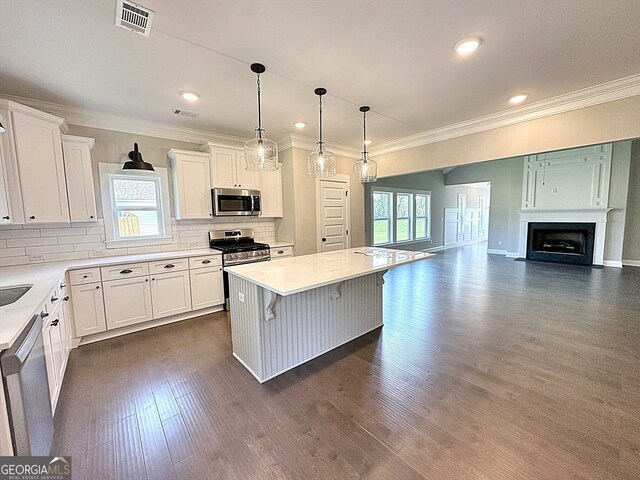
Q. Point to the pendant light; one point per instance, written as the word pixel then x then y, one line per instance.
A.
pixel 365 169
pixel 321 163
pixel 136 162
pixel 260 153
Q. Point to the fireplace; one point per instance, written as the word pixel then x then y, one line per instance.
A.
pixel 561 242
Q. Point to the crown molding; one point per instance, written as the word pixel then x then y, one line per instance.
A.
pixel 90 118
pixel 586 97
pixel 11 103
pixel 89 142
pixel 292 140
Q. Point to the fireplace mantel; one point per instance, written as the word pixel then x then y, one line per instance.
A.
pixel 597 216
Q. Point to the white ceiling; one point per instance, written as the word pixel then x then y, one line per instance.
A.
pixel 394 55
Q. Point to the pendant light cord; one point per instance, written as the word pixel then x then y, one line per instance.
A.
pixel 321 142
pixel 259 111
pixel 364 136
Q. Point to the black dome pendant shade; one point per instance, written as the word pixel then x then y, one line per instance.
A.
pixel 136 162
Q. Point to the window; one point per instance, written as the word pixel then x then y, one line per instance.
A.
pixel 462 211
pixel 422 218
pixel 382 217
pixel 403 217
pixel 135 206
pixel 400 216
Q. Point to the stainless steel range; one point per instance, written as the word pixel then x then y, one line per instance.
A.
pixel 237 247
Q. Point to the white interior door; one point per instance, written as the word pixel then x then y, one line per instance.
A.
pixel 333 214
pixel 450 225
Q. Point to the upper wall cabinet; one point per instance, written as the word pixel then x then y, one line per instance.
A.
pixel 34 164
pixel 271 193
pixel 79 175
pixel 191 173
pixel 228 170
pixel 567 180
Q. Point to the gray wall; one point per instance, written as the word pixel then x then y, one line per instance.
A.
pixel 506 197
pixel 631 249
pixel 442 197
pixel 618 196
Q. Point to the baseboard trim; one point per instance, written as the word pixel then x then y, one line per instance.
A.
pixel 512 255
pixel 495 251
pixel 98 337
pixel 612 263
pixel 631 263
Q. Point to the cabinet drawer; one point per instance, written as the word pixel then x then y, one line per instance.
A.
pixel 86 275
pixel 173 265
pixel 281 252
pixel 206 261
pixel 124 271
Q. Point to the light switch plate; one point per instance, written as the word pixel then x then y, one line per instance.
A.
pixel 241 296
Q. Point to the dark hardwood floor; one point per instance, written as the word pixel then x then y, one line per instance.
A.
pixel 486 368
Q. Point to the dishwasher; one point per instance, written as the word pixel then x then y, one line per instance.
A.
pixel 26 388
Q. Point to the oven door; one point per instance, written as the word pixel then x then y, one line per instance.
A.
pixel 230 202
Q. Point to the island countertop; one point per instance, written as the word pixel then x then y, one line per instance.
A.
pixel 298 274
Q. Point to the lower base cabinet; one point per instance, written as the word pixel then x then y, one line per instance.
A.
pixel 170 294
pixel 127 301
pixel 207 287
pixel 56 349
pixel 88 309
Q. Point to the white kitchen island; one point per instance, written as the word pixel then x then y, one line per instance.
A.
pixel 287 312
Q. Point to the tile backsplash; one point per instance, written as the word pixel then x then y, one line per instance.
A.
pixel 28 244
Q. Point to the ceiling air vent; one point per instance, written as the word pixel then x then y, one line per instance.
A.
pixel 134 17
pixel 184 113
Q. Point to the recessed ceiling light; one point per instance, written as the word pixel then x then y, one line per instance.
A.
pixel 189 95
pixel 467 45
pixel 518 98
pixel 367 142
pixel 300 125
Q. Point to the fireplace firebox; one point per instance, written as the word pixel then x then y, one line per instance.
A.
pixel 561 242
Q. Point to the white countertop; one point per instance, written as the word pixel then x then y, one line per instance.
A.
pixel 296 274
pixel 15 316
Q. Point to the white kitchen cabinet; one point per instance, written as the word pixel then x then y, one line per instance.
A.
pixel 207 287
pixel 53 337
pixel 79 176
pixel 38 150
pixel 191 174
pixel 228 170
pixel 271 193
pixel 68 319
pixel 281 252
pixel 170 293
pixel 88 309
pixel 127 301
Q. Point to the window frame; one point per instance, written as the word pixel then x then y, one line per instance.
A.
pixel 427 217
pixel 412 217
pixel 389 219
pixel 109 171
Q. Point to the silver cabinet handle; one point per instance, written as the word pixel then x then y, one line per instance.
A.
pixel 126 271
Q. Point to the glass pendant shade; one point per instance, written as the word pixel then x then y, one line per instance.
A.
pixel 365 170
pixel 260 153
pixel 321 163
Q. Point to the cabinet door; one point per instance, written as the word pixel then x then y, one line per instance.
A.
pixel 57 343
pixel 127 301
pixel 271 193
pixel 77 163
pixel 170 293
pixel 5 213
pixel 67 330
pixel 246 179
pixel 41 167
pixel 47 340
pixel 88 309
pixel 192 185
pixel 223 168
pixel 207 287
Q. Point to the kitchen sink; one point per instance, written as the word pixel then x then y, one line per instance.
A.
pixel 8 295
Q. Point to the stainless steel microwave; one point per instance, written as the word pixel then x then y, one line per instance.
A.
pixel 231 201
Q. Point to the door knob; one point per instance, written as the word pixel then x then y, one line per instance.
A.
pixel 324 239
